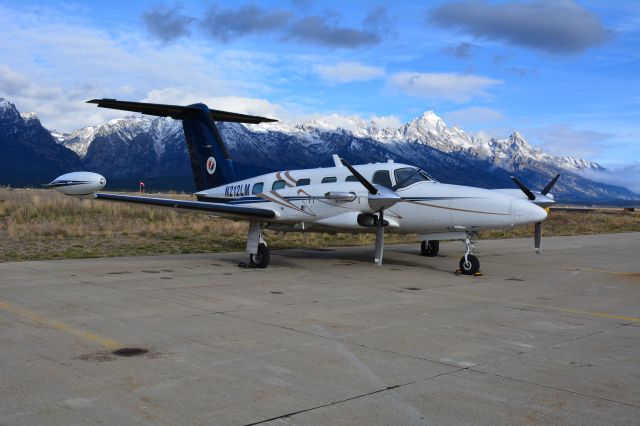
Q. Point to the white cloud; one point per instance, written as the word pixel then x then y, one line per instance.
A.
pixel 70 62
pixel 243 105
pixel 389 121
pixel 473 115
pixel 14 83
pixel 345 72
pixel 446 86
pixel 561 140
pixel 627 176
pixel 354 122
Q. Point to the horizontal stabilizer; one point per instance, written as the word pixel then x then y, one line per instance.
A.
pixel 178 112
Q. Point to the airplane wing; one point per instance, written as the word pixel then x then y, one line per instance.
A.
pixel 226 210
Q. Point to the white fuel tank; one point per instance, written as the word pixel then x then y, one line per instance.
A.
pixel 78 183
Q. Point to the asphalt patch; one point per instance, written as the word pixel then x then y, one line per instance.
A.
pixel 128 352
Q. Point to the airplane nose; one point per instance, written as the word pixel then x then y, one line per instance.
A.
pixel 527 212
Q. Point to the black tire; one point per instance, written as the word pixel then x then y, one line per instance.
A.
pixel 261 259
pixel 430 248
pixel 471 266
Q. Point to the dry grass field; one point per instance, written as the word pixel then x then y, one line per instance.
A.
pixel 41 224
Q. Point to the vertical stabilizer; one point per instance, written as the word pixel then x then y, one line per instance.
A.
pixel 210 160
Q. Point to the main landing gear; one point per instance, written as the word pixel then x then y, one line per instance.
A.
pixel 261 258
pixel 469 264
pixel 259 255
pixel 430 248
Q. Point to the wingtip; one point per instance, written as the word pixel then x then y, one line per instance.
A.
pixel 98 101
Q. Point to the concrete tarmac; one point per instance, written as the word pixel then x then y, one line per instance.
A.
pixel 326 337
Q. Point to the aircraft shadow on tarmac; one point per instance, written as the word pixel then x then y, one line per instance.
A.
pixel 354 256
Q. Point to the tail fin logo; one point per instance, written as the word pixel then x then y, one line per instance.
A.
pixel 211 165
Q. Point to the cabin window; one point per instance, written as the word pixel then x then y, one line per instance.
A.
pixel 257 188
pixel 303 182
pixel 279 184
pixel 409 175
pixel 351 178
pixel 383 178
pixel 329 179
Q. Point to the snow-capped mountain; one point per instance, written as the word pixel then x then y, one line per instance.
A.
pixel 429 129
pixel 509 153
pixel 154 147
pixel 123 129
pixel 28 152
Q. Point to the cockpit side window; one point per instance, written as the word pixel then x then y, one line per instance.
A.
pixel 279 184
pixel 408 176
pixel 383 178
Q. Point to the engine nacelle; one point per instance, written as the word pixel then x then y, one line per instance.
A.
pixel 78 183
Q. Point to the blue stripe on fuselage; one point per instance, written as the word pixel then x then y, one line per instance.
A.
pixel 254 199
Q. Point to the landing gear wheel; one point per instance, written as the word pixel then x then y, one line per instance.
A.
pixel 470 265
pixel 261 259
pixel 430 248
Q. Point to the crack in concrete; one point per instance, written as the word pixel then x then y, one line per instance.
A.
pixel 473 368
pixel 555 388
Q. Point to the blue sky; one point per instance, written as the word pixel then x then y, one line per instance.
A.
pixel 563 73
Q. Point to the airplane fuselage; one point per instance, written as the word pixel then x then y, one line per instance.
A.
pixel 301 201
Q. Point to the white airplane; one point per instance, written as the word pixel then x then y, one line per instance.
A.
pixel 392 197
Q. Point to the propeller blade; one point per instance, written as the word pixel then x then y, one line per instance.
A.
pixel 379 239
pixel 547 188
pixel 524 189
pixel 538 237
pixel 372 189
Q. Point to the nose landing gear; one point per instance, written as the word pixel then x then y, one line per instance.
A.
pixel 469 264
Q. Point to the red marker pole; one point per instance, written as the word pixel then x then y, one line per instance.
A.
pixel 141 187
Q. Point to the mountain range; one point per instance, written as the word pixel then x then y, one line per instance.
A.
pixel 134 148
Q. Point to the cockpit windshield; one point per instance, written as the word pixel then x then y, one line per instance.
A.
pixel 409 175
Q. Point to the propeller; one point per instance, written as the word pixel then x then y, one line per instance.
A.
pixel 542 199
pixel 530 195
pixel 377 258
pixel 379 198
pixel 370 187
pixel 547 188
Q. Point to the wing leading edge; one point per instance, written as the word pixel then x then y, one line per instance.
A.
pixel 218 208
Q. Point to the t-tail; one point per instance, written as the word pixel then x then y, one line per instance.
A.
pixel 210 161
